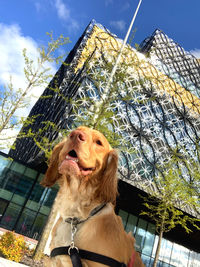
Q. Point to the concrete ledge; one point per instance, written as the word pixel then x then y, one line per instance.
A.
pixel 7 263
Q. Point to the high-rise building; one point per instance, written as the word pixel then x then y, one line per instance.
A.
pixel 154 106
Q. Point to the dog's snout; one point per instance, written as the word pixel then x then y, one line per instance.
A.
pixel 78 136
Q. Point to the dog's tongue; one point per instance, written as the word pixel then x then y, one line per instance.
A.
pixel 73 164
pixel 85 171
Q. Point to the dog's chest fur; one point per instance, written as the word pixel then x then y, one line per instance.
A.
pixel 71 202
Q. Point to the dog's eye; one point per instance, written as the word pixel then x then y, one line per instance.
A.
pixel 98 142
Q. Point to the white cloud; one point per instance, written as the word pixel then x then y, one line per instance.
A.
pixel 62 10
pixel 196 53
pixel 119 24
pixel 64 13
pixel 12 42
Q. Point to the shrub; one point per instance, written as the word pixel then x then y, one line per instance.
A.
pixel 12 246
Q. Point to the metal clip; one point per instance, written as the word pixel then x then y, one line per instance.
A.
pixel 72 247
pixel 73 232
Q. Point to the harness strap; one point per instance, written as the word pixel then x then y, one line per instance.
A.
pixel 87 255
pixel 75 258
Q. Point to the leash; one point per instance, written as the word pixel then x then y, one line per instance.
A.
pixel 76 221
pixel 77 254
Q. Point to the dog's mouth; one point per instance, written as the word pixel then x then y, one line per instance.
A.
pixel 72 156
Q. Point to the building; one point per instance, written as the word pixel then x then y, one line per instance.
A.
pixel 155 111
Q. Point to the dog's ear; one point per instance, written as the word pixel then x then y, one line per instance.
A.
pixel 108 184
pixel 52 175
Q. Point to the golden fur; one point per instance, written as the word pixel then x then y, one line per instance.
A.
pixel 87 178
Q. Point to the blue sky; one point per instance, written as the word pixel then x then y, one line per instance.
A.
pixel 23 23
pixel 179 19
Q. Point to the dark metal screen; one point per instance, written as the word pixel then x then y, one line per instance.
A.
pixel 153 103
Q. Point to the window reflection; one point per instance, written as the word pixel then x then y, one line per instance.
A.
pixel 171 254
pixel 4 164
pixel 131 224
pixel 21 198
pixel 194 259
pixel 38 225
pixel 124 216
pixel 25 222
pixel 10 216
pixel 149 240
pixel 165 251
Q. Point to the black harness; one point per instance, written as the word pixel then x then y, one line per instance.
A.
pixel 77 254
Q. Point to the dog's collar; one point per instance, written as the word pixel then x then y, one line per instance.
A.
pixel 75 221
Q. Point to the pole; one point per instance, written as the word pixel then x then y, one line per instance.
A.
pixel 116 63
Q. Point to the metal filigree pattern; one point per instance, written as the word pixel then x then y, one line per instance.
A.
pixel 152 105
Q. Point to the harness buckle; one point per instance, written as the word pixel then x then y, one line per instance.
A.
pixel 72 246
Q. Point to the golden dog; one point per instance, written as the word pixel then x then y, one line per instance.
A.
pixel 85 166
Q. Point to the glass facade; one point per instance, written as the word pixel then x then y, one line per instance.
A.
pixel 171 254
pixel 24 203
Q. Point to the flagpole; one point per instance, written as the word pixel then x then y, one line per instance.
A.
pixel 123 45
pixel 106 90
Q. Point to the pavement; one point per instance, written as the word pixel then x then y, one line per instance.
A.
pixel 7 263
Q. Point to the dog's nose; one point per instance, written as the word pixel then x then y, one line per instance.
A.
pixel 78 136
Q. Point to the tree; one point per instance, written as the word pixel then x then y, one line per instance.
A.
pixel 165 205
pixel 37 74
pixel 101 112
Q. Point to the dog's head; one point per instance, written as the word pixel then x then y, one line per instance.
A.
pixel 85 155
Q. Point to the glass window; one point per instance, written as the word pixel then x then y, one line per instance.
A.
pixel 3 206
pixel 9 180
pixel 41 176
pixel 25 222
pixel 5 194
pixel 10 216
pixel 25 182
pixel 17 167
pixel 175 257
pixel 149 239
pixel 30 173
pixel 45 210
pixel 131 224
pixel 166 250
pixel 18 199
pixel 159 264
pixel 123 214
pixel 14 180
pixel 49 197
pixel 38 226
pixel 140 234
pixel 146 260
pixel 155 246
pixel 35 199
pixel 182 253
pixel 194 259
pixel 4 164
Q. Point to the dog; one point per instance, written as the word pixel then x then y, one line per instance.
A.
pixel 85 167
